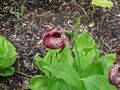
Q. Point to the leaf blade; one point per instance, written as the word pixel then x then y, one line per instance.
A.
pixel 97 82
pixel 102 3
pixel 65 72
pixel 38 82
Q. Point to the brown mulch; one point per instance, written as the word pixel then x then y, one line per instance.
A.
pixel 24 32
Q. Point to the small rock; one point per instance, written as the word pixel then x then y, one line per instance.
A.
pixel 118 15
pixel 92 24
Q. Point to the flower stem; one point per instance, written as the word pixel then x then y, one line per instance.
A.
pixel 78 59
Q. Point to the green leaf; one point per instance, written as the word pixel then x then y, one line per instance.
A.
pixel 76 27
pixel 17 14
pixel 93 69
pixel 65 56
pixel 85 50
pixel 90 55
pixel 59 84
pixel 97 82
pixel 65 72
pixel 97 51
pixel 101 66
pixel 51 55
pixel 40 64
pixel 69 33
pixel 84 40
pixel 102 3
pixel 38 82
pixel 49 27
pixel 7 72
pixel 7 53
pixel 108 59
pixel 107 62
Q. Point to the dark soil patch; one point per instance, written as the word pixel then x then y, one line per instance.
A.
pixel 24 32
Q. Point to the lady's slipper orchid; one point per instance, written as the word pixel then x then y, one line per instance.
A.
pixel 54 38
pixel 118 57
pixel 114 73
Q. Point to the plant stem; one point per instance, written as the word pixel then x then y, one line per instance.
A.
pixel 22 9
pixel 29 76
pixel 78 62
pixel 93 11
pixel 76 27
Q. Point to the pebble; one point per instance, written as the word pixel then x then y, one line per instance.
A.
pixel 118 15
pixel 92 24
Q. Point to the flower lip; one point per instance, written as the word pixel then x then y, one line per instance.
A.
pixel 51 31
pixel 114 75
pixel 54 38
pixel 56 35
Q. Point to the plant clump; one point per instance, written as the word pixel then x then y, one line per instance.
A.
pixel 7 57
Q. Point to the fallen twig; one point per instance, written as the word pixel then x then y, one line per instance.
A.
pixel 29 76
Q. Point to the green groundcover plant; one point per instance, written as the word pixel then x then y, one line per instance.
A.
pixel 101 3
pixel 7 57
pixel 85 70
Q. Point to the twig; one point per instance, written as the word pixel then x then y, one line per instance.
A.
pixel 93 12
pixel 105 43
pixel 25 27
pixel 29 76
pixel 1 15
pixel 81 8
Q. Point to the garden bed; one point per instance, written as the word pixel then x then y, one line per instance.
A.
pixel 25 32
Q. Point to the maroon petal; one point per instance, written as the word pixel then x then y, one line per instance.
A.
pixel 118 52
pixel 54 43
pixel 118 57
pixel 51 31
pixel 54 38
pixel 117 60
pixel 114 75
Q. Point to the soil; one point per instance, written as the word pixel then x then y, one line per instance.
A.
pixel 24 32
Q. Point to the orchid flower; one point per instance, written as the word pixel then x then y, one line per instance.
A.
pixel 114 73
pixel 54 38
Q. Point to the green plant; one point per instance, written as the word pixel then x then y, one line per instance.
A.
pixel 7 57
pixel 101 3
pixel 86 70
pixel 16 14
